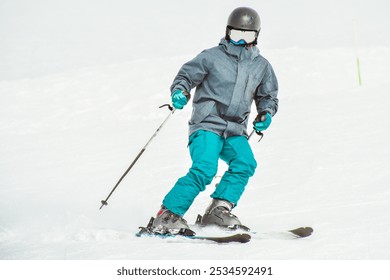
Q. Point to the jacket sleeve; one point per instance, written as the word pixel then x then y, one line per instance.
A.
pixel 191 73
pixel 266 97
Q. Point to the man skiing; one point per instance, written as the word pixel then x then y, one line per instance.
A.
pixel 228 78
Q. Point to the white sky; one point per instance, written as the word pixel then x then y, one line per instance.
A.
pixel 44 36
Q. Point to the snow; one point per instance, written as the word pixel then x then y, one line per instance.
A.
pixel 76 110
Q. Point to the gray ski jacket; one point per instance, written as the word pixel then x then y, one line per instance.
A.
pixel 228 79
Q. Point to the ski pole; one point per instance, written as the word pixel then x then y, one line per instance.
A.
pixel 250 135
pixel 104 202
pixel 258 133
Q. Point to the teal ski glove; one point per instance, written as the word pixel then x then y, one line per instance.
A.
pixel 262 121
pixel 180 98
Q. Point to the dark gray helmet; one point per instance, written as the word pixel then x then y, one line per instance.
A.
pixel 243 18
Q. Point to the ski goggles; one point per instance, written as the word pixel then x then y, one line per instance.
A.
pixel 248 36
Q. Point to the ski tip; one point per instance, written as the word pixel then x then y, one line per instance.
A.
pixel 302 231
pixel 245 238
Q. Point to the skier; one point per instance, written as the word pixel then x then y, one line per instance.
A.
pixel 228 78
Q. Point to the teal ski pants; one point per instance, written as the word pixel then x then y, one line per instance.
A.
pixel 206 148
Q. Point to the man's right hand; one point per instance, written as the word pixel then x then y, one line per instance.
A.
pixel 180 98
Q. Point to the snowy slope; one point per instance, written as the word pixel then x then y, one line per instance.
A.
pixel 69 128
pixel 67 138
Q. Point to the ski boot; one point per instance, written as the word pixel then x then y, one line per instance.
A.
pixel 167 223
pixel 219 213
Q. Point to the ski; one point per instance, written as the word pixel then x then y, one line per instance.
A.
pixel 190 234
pixel 298 233
pixel 239 237
pixel 234 234
pixel 301 232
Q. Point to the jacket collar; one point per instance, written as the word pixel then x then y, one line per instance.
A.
pixel 239 51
